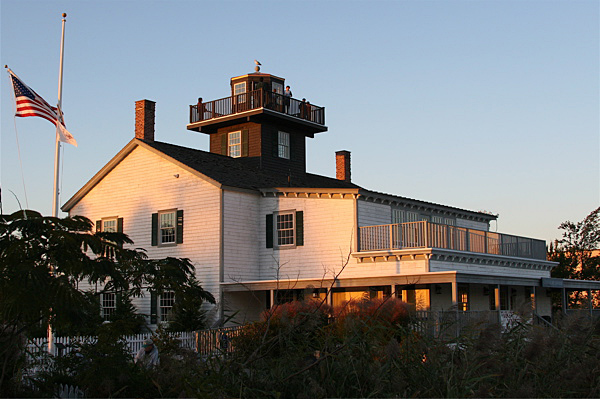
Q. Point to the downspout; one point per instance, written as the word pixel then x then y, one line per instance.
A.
pixel 356 228
pixel 221 255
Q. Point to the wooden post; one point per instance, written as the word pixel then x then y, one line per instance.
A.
pixel 590 303
pixel 497 302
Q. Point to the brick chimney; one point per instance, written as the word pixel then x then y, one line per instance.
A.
pixel 144 120
pixel 342 165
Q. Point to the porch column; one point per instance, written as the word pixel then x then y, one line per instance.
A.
pixel 454 294
pixel 590 303
pixel 533 300
pixel 393 291
pixel 564 300
pixel 272 297
pixel 497 302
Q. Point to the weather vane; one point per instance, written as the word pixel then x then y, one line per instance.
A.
pixel 257 67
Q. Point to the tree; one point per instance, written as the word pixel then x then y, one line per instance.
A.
pixel 44 259
pixel 578 256
pixel 575 251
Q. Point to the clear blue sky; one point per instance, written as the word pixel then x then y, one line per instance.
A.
pixel 483 105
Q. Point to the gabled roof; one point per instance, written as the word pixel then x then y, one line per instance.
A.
pixel 219 170
pixel 226 172
pixel 235 172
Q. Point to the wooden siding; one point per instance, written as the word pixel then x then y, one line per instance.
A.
pixel 328 231
pixel 471 224
pixel 241 236
pixel 372 214
pixel 262 147
pixel 254 137
pixel 144 183
pixel 296 165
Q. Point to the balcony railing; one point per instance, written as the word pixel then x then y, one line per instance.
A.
pixel 432 235
pixel 254 100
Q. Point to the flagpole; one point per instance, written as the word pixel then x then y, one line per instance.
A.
pixel 55 197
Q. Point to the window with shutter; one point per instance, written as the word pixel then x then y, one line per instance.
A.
pixel 285 229
pixel 167 227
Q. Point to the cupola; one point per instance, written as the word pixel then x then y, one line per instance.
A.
pixel 260 123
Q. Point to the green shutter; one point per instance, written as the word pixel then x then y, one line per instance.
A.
pixel 245 142
pixel 275 144
pixel 120 228
pixel 223 143
pixel 153 308
pixel 179 233
pixel 299 228
pixel 98 226
pixel 269 230
pixel 154 229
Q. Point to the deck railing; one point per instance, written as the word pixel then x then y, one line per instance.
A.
pixel 432 235
pixel 253 100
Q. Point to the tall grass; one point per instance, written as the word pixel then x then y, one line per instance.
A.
pixel 364 349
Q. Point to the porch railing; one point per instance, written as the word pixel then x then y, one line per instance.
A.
pixel 450 324
pixel 432 235
pixel 253 100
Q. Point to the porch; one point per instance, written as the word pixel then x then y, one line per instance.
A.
pixel 436 291
pixel 392 238
pixel 257 102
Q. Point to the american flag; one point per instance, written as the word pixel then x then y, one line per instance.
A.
pixel 29 103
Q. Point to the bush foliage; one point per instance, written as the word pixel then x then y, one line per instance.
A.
pixel 363 349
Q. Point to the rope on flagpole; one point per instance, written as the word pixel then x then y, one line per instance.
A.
pixel 18 145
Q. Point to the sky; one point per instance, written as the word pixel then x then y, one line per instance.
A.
pixel 483 105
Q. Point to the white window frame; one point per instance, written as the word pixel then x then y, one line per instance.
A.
pixel 283 145
pixel 234 144
pixel 166 301
pixel 412 217
pixel 437 219
pixel 398 216
pixel 286 240
pixel 108 305
pixel 239 88
pixel 167 228
pixel 109 225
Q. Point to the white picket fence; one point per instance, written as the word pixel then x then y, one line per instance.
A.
pixel 64 345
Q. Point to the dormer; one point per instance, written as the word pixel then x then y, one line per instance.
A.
pixel 259 123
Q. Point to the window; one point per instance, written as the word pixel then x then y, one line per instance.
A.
pixel 437 219
pixel 110 225
pixel 283 141
pixel 463 297
pixel 167 227
pixel 165 305
pixel 239 88
pixel 398 216
pixel 108 304
pixel 234 144
pixel 412 217
pixel 285 229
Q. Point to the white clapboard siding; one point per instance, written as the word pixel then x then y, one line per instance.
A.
pixel 144 183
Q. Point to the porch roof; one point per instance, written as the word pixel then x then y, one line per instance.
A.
pixel 396 279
